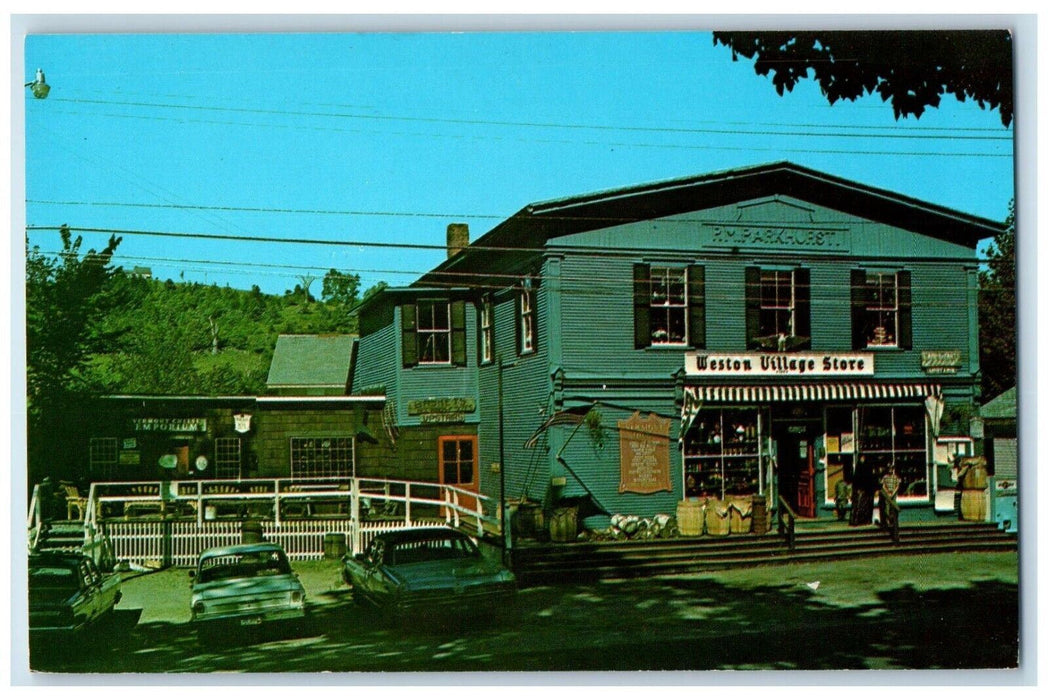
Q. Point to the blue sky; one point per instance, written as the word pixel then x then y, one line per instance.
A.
pixel 390 137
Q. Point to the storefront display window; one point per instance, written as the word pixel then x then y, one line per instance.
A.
pixel 722 454
pixel 102 457
pixel 879 436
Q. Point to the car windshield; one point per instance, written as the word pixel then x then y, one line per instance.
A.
pixel 246 565
pixel 430 549
pixel 52 581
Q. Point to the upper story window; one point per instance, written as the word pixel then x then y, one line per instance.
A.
pixel 881 309
pixel 433 332
pixel 487 329
pixel 526 319
pixel 778 309
pixel 669 306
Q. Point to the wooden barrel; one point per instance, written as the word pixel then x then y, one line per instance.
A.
pixel 564 524
pixel 973 505
pixel 528 520
pixel 760 515
pixel 251 532
pixel 690 518
pixel 334 545
pixel 740 519
pixel 718 518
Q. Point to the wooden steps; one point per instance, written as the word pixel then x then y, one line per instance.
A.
pixel 535 564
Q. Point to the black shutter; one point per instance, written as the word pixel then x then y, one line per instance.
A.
pixel 641 305
pixel 859 299
pixel 697 306
pixel 517 323
pixel 458 333
pixel 409 334
pixel 534 292
pixel 753 306
pixel 802 307
pixel 905 310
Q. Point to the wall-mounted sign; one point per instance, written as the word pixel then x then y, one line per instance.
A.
pixel 418 407
pixel 242 422
pixel 170 425
pixel 442 418
pixel 130 457
pixel 777 364
pixel 644 454
pixel 129 444
pixel 940 361
pixel 748 235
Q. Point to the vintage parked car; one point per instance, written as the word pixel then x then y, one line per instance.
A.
pixel 428 571
pixel 68 592
pixel 247 584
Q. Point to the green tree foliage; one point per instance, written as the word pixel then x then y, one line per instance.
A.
pixel 997 313
pixel 66 299
pixel 911 69
pixel 341 288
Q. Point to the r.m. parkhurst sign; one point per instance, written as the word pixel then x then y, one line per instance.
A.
pixel 778 364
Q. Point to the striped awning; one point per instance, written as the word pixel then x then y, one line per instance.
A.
pixel 696 396
pixel 844 391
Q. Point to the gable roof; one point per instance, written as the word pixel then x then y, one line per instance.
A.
pixel 319 361
pixel 1002 406
pixel 535 224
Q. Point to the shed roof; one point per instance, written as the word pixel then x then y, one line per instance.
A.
pixel 311 361
pixel 1001 407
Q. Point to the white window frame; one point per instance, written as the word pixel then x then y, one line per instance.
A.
pixel 662 307
pixel 526 309
pixel 308 451
pixel 873 308
pixel 776 306
pixel 487 329
pixel 423 333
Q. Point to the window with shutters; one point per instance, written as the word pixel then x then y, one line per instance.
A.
pixel 778 313
pixel 669 306
pixel 880 324
pixel 434 332
pixel 881 309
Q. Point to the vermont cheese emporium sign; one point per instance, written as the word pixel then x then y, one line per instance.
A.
pixel 170 425
pixel 779 364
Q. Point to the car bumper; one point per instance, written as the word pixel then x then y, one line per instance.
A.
pixel 252 617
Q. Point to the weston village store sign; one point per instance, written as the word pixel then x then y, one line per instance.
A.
pixel 779 364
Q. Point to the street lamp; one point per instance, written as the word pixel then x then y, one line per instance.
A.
pixel 39 86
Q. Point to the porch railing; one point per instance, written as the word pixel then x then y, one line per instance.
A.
pixel 787 524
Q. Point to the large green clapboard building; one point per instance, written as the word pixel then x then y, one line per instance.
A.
pixel 767 330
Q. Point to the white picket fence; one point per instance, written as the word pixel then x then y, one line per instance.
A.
pixel 153 544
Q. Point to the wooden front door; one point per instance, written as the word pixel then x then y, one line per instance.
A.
pixel 458 465
pixel 796 464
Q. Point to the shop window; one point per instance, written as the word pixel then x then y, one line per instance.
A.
pixel 433 332
pixel 881 309
pixel 321 456
pixel 778 309
pixel 840 448
pixel 227 458
pixel 487 329
pixel 722 454
pixel 896 435
pixel 669 306
pixel 526 319
pixel 103 454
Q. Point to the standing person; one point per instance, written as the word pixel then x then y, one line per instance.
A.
pixel 863 485
pixel 890 483
pixel 841 496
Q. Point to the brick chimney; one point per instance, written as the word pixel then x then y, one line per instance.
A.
pixel 458 238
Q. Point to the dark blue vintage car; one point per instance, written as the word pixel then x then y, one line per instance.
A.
pixel 428 571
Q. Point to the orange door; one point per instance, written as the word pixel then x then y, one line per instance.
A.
pixel 458 465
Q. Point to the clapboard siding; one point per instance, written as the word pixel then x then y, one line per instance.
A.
pixel 376 363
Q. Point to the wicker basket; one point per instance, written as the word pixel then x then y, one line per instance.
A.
pixel 973 505
pixel 718 518
pixel 975 476
pixel 690 518
pixel 740 514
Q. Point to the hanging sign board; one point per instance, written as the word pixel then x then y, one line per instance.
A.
pixel 940 361
pixel 779 364
pixel 644 454
pixel 170 425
